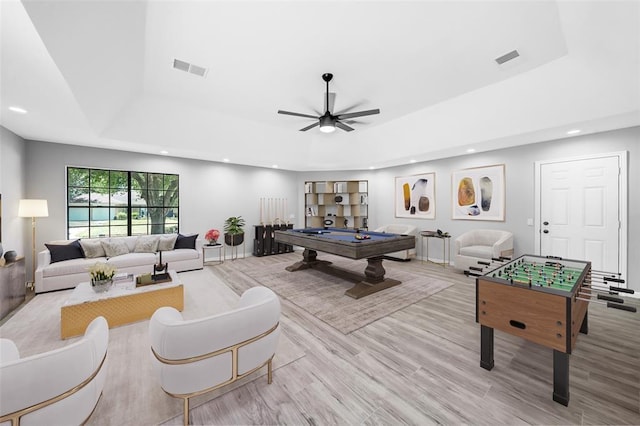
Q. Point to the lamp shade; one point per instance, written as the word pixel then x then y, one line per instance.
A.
pixel 33 208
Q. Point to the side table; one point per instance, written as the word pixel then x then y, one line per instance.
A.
pixel 446 247
pixel 206 248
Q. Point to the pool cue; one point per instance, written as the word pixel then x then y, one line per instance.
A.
pixel 611 305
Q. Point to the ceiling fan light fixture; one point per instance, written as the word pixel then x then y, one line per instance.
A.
pixel 327 125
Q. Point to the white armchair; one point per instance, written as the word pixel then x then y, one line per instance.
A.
pixel 60 387
pixel 403 230
pixel 481 245
pixel 193 357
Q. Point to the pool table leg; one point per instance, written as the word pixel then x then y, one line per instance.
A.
pixel 309 260
pixel 374 280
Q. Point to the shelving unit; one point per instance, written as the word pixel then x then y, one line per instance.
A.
pixel 337 204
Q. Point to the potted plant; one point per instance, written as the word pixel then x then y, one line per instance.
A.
pixel 234 231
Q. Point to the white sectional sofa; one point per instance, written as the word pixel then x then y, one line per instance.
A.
pixel 137 256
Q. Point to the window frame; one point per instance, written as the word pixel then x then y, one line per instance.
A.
pixel 102 212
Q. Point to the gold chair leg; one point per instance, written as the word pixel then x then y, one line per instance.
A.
pixel 269 372
pixel 186 411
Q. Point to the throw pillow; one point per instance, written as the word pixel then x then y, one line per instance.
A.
pixel 146 244
pixel 60 252
pixel 167 242
pixel 92 249
pixel 186 241
pixel 113 248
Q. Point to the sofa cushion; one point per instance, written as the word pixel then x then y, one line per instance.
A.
pixel 180 254
pixel 71 267
pixel 133 259
pixel 60 252
pixel 92 248
pixel 115 247
pixel 167 242
pixel 483 252
pixel 146 244
pixel 186 241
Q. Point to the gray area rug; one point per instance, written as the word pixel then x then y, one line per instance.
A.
pixel 132 393
pixel 322 294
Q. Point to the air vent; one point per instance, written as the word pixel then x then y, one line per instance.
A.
pixel 507 57
pixel 190 68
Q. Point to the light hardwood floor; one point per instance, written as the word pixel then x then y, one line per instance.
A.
pixel 420 365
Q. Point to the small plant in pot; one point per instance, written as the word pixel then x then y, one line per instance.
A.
pixel 234 231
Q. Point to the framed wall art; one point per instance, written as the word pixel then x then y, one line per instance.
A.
pixel 415 196
pixel 478 193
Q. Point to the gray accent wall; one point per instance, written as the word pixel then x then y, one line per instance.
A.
pixel 16 231
pixel 210 192
pixel 519 178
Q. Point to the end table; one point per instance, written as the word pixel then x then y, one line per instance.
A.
pixel 446 247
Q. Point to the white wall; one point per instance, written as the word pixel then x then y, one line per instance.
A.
pixel 16 231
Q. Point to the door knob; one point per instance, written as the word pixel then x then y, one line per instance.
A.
pixel 545 223
pixel 546 231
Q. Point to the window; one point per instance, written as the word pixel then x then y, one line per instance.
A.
pixel 111 203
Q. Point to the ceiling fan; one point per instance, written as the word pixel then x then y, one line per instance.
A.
pixel 328 121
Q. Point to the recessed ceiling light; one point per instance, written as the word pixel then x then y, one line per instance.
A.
pixel 164 152
pixel 17 109
pixel 371 167
pixel 412 161
pixel 275 166
pixel 470 150
pixel 573 132
pixel 226 160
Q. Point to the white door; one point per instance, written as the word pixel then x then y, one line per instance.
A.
pixel 580 210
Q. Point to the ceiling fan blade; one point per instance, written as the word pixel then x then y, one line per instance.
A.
pixel 358 114
pixel 297 114
pixel 349 108
pixel 344 126
pixel 332 102
pixel 304 129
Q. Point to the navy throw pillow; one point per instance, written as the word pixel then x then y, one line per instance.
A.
pixel 60 252
pixel 186 241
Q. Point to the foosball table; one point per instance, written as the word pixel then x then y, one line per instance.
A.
pixel 543 300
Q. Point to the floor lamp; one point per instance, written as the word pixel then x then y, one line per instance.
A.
pixel 33 209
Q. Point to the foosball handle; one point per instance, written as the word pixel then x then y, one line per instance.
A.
pixel 613 280
pixel 622 290
pixel 622 307
pixel 554 257
pixel 610 298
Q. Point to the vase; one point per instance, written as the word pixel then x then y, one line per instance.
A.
pixel 213 242
pixel 100 286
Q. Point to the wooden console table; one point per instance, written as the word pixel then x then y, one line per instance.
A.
pixel 12 285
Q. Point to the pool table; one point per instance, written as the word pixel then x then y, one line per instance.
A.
pixel 351 244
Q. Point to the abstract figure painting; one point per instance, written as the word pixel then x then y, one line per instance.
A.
pixel 478 193
pixel 415 196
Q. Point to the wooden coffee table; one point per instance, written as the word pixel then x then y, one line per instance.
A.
pixel 123 303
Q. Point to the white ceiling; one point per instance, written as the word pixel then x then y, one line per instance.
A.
pixel 99 73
